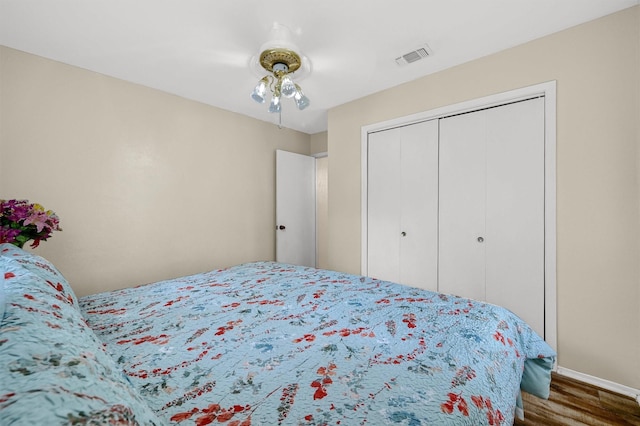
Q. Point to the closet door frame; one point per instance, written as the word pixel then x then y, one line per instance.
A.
pixel 548 90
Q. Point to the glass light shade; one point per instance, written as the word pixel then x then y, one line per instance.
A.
pixel 301 100
pixel 275 104
pixel 287 87
pixel 260 90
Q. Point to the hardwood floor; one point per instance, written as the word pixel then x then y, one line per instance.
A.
pixel 575 403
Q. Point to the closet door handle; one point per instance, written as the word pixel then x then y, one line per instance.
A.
pixel 404 234
pixel 480 239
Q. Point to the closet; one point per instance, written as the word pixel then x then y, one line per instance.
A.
pixel 457 204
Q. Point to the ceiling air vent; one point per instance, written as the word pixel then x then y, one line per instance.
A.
pixel 413 56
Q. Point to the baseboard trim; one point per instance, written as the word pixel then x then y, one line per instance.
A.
pixel 602 383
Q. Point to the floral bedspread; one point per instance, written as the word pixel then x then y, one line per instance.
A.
pixel 268 344
pixel 53 368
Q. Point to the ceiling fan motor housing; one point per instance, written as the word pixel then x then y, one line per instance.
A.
pixel 271 58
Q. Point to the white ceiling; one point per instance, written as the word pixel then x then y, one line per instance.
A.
pixel 201 49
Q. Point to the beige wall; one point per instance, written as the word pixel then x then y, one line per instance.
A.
pixel 319 143
pixel 148 185
pixel 597 69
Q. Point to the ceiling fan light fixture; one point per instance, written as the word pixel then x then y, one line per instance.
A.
pixel 281 64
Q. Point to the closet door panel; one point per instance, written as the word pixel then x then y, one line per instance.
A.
pixel 419 213
pixel 462 205
pixel 383 200
pixel 515 209
pixel 402 167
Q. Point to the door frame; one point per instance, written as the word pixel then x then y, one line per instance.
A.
pixel 548 90
pixel 321 233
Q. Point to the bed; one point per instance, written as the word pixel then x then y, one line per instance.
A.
pixel 262 343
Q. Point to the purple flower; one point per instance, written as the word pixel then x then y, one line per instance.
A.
pixel 21 221
pixel 8 235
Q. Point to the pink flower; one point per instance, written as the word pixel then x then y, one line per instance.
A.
pixel 21 221
pixel 39 219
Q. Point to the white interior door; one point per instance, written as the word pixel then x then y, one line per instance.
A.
pixel 384 199
pixel 462 205
pixel 515 210
pixel 295 208
pixel 419 213
pixel 492 208
pixel 403 205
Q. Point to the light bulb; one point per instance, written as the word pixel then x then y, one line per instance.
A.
pixel 275 103
pixel 260 90
pixel 287 88
pixel 301 100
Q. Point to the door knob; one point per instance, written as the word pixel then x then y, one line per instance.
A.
pixel 480 239
pixel 404 234
pixel 281 227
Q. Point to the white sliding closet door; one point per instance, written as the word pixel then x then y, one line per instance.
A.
pixel 515 209
pixel 492 207
pixel 383 206
pixel 462 205
pixel 403 205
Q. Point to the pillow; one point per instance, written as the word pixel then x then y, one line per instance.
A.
pixel 43 268
pixel 1 295
pixel 536 377
pixel 55 369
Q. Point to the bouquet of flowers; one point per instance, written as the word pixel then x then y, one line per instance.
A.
pixel 21 221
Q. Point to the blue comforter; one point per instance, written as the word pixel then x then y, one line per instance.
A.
pixel 268 344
